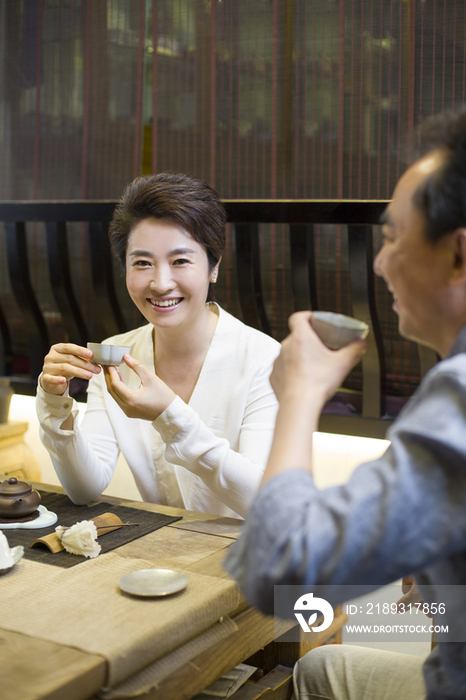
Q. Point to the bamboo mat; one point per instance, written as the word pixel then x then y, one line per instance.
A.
pixel 69 513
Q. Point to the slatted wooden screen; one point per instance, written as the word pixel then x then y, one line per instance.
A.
pixel 263 98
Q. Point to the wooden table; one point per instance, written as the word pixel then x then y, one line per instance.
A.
pixel 33 669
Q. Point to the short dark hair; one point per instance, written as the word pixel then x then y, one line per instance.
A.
pixel 442 195
pixel 191 203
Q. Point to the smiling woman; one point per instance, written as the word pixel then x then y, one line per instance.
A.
pixel 167 274
pixel 191 408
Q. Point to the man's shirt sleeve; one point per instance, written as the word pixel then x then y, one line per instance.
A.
pixel 395 515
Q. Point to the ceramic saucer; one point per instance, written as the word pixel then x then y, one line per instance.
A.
pixel 153 582
pixel 45 519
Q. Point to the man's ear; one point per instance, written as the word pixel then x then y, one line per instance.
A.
pixel 458 272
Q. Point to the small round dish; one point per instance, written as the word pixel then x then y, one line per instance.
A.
pixel 153 582
pixel 16 553
pixel 107 354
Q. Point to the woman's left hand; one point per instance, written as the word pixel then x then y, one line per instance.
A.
pixel 151 398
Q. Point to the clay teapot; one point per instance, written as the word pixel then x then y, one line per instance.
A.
pixel 17 499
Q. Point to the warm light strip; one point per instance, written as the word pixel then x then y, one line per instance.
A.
pixel 23 408
pixel 332 442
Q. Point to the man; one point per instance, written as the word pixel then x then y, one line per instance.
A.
pixel 402 513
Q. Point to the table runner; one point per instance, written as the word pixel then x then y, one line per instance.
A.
pixel 69 513
pixel 84 608
pixel 151 676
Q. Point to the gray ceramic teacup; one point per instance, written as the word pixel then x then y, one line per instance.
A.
pixel 107 354
pixel 337 330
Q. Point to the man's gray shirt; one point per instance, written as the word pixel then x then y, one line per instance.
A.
pixel 400 514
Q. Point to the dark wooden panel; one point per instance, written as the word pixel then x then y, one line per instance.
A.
pixel 303 267
pixel 6 348
pixel 60 280
pixel 26 386
pixel 249 276
pixel 57 211
pixel 354 425
pixel 305 211
pixel 20 280
pixel 264 210
pixel 362 287
pixel 111 319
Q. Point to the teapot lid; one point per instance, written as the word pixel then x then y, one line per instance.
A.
pixel 13 487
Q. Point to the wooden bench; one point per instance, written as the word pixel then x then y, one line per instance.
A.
pixel 371 408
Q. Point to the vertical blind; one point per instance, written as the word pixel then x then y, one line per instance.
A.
pixel 263 98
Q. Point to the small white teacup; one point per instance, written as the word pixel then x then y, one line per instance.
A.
pixel 6 557
pixel 337 330
pixel 107 354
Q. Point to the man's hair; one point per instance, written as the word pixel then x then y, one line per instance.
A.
pixel 442 195
pixel 189 202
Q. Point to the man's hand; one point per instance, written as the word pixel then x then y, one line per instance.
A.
pixel 306 365
pixel 410 596
pixel 151 398
pixel 305 375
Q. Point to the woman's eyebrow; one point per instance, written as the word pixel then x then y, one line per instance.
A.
pixel 182 251
pixel 176 251
pixel 144 253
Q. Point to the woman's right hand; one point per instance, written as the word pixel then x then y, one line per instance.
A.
pixel 63 362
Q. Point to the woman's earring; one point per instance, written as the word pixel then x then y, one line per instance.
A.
pixel 213 280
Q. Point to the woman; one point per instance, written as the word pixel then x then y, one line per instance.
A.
pixel 191 408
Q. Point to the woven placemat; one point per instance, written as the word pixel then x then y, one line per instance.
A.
pixel 68 514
